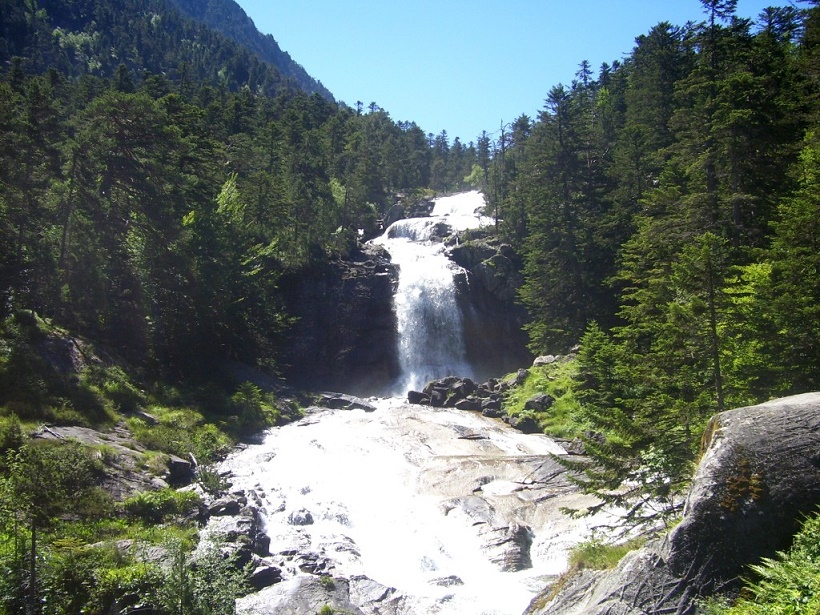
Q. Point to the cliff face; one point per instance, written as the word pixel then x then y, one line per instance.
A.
pixel 493 319
pixel 344 338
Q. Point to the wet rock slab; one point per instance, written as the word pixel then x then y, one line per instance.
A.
pixel 758 478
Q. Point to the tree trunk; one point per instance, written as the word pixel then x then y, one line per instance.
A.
pixel 32 576
pixel 713 333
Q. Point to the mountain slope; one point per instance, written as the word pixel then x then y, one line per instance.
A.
pixel 82 37
pixel 228 18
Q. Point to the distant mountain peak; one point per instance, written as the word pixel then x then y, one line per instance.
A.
pixel 230 20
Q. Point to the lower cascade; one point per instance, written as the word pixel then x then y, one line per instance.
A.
pixel 391 508
pixel 407 510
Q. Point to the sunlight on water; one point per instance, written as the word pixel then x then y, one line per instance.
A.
pixel 364 479
pixel 431 338
pixel 400 495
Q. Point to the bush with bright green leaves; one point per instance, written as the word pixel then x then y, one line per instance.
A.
pixel 788 584
pixel 252 409
pixel 156 506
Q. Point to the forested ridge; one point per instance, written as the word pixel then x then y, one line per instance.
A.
pixel 228 18
pixel 154 211
pixel 157 178
pixel 216 43
pixel 667 213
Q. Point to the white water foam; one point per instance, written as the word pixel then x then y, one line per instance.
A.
pixel 431 337
pixel 372 483
pixel 389 492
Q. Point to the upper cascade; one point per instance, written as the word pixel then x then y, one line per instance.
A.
pixel 430 324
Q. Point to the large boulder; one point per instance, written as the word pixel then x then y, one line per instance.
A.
pixel 341 401
pixel 508 547
pixel 758 478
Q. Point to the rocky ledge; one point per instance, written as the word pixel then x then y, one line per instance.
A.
pixel 344 336
pixel 486 398
pixel 758 478
pixel 488 292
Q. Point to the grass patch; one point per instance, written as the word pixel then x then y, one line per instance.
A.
pixel 180 431
pixel 596 554
pixel 157 506
pixel 561 419
pixel 593 554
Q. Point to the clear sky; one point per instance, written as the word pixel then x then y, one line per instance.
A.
pixel 461 65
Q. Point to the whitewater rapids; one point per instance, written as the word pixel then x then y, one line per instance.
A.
pixel 392 497
pixel 411 510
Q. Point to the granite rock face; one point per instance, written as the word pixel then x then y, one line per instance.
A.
pixel 493 317
pixel 758 478
pixel 344 337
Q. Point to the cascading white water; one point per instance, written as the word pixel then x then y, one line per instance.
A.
pixel 409 509
pixel 431 338
pixel 395 500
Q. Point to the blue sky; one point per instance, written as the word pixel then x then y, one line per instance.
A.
pixel 461 65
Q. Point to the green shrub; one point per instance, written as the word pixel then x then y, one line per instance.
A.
pixel 93 530
pixel 788 584
pixel 209 443
pixel 11 435
pixel 161 437
pixel 327 582
pixel 90 402
pixel 209 584
pixel 69 575
pixel 180 431
pixel 138 580
pixel 252 409
pixel 156 506
pixel 210 481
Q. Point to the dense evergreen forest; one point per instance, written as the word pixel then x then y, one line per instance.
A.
pixel 667 210
pixel 157 178
pixel 154 211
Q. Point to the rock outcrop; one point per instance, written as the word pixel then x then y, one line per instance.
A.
pixel 123 475
pixel 344 337
pixel 309 594
pixel 493 318
pixel 236 520
pixel 759 476
pixel 487 398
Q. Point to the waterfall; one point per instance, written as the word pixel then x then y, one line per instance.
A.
pixel 406 509
pixel 430 331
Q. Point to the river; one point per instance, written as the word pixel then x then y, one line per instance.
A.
pixel 411 509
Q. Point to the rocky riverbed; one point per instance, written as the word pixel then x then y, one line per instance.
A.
pixel 399 509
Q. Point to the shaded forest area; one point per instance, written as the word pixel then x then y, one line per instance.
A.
pixel 153 210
